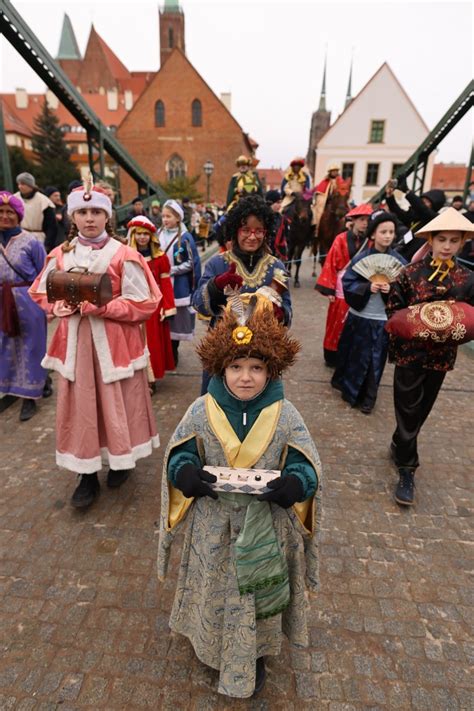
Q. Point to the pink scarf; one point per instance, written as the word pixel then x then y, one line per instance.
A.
pixel 94 242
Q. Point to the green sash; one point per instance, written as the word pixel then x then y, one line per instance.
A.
pixel 260 564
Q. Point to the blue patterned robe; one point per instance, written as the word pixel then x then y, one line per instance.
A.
pixel 21 373
pixel 262 275
pixel 208 609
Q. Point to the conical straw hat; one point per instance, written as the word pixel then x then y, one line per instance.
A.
pixel 449 219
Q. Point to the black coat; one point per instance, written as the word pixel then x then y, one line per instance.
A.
pixel 417 215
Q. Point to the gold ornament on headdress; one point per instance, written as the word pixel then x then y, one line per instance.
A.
pixel 247 329
pixel 242 335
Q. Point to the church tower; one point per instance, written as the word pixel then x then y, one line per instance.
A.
pixel 69 57
pixel 349 89
pixel 320 121
pixel 171 29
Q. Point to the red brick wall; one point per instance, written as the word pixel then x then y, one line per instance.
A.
pixel 94 72
pixel 219 139
pixel 176 22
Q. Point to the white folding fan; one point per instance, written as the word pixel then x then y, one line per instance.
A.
pixel 381 268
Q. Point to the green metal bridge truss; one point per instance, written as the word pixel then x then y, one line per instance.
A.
pixel 417 163
pixel 99 138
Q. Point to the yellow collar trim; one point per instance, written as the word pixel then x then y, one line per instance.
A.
pixel 257 277
pixel 300 176
pixel 247 453
pixel 438 264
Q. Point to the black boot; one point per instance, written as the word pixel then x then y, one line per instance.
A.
pixel 48 387
pixel 175 346
pixel 260 675
pixel 405 490
pixel 28 409
pixel 116 478
pixel 86 492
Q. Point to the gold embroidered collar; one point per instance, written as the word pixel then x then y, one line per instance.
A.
pixel 252 279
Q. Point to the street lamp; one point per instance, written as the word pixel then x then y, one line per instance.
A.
pixel 208 169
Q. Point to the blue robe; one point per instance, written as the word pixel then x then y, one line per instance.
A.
pixel 364 341
pixel 21 373
pixel 261 276
pixel 185 272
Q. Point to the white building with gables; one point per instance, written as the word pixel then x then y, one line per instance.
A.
pixel 376 133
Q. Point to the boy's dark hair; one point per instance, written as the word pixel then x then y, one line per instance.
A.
pixel 247 206
pixel 457 198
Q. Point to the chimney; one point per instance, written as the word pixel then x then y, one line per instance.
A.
pixel 52 100
pixel 112 99
pixel 21 99
pixel 226 98
pixel 128 99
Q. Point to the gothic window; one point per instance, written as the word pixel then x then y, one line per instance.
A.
pixel 196 113
pixel 170 37
pixel 176 167
pixel 159 113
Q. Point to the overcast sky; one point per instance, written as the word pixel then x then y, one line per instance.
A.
pixel 270 55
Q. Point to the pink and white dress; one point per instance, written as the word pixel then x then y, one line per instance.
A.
pixel 104 413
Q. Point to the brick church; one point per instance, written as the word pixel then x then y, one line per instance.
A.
pixel 178 123
pixel 170 121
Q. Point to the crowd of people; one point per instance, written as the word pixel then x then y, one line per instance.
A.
pixel 250 553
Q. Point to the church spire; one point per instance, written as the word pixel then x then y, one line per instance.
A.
pixel 68 47
pixel 172 6
pixel 349 87
pixel 322 100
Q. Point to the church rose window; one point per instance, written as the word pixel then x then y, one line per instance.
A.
pixel 159 113
pixel 176 167
pixel 196 113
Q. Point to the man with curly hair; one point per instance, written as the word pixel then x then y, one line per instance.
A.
pixel 247 266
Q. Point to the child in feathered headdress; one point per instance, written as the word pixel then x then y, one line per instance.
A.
pixel 142 237
pixel 241 582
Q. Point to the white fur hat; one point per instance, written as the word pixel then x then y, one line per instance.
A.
pixel 80 198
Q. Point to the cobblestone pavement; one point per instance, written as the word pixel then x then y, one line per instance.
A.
pixel 84 623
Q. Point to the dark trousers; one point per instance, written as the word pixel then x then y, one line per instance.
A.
pixel 369 389
pixel 414 392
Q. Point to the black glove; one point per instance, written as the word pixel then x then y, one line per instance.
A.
pixel 192 482
pixel 285 491
pixel 402 183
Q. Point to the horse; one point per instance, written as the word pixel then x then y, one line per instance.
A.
pixel 300 233
pixel 330 224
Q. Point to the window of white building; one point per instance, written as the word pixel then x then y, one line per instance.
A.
pixel 377 129
pixel 372 174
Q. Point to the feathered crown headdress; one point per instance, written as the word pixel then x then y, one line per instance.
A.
pixel 248 329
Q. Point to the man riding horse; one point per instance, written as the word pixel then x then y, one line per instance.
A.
pixel 330 204
pixel 244 182
pixel 295 182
